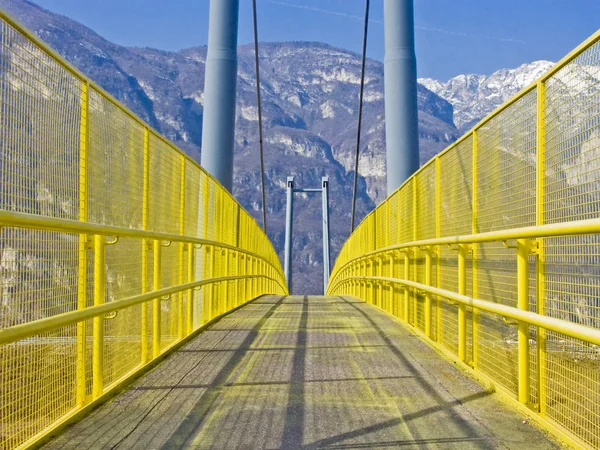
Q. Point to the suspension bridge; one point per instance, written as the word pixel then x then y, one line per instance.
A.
pixel 143 307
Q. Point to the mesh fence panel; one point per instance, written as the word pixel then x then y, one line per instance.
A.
pixel 532 162
pixel 70 151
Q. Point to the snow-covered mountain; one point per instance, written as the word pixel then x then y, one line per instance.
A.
pixel 475 96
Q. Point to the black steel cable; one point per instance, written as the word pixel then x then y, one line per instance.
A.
pixel 360 106
pixel 260 128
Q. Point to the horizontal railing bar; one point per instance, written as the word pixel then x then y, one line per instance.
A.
pixel 308 190
pixel 57 57
pixel 564 327
pixel 26 330
pixel 509 102
pixel 573 228
pixel 32 221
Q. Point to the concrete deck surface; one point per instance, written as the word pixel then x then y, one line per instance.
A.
pixel 304 373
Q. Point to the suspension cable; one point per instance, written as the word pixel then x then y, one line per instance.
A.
pixel 360 106
pixel 260 127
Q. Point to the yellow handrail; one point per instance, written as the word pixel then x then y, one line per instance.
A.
pixel 23 331
pixel 591 335
pixel 100 213
pixel 505 224
pixel 35 222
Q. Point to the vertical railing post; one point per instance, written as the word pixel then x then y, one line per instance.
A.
pixel 407 278
pixel 242 271
pixel 236 257
pixel 156 310
pixel 427 294
pixel 98 331
pixel 356 273
pixel 190 294
pixel 215 270
pixel 226 291
pixel 254 280
pixel 207 287
pixel 207 251
pixel 353 273
pixel 474 247
pixel 234 284
pixel 391 302
pixel 462 309
pixel 181 250
pixel 415 251
pixel 353 284
pixel 248 266
pixel 365 284
pixel 373 283
pixel 523 247
pixel 145 245
pixel 438 250
pixel 221 291
pixel 83 242
pixel 379 286
pixel 540 266
pixel 261 280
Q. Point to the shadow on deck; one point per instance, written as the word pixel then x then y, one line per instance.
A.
pixel 304 373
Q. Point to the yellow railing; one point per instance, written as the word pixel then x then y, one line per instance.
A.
pixel 114 245
pixel 492 249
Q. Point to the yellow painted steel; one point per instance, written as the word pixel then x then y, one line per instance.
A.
pixel 540 261
pixel 428 295
pixel 474 250
pixel 79 171
pixel 462 309
pixel 98 339
pixel 144 251
pixel 181 263
pixel 83 245
pixel 156 307
pixel 522 187
pixel 523 328
pixel 190 293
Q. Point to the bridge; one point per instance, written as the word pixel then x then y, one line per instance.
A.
pixel 143 307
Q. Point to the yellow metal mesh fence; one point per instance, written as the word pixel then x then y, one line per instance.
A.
pixel 510 190
pixel 98 209
pixel 572 264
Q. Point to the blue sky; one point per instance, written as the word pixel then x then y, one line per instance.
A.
pixel 452 36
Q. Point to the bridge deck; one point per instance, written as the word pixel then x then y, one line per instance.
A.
pixel 304 372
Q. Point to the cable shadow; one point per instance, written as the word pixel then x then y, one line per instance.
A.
pixel 182 436
pixel 267 383
pixel 293 431
pixel 442 404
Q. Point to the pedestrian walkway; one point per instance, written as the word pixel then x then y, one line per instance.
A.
pixel 305 372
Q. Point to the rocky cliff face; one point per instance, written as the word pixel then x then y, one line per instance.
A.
pixel 310 101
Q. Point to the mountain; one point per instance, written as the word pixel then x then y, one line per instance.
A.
pixel 310 101
pixel 475 96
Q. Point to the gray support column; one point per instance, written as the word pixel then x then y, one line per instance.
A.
pixel 218 123
pixel 325 201
pixel 400 73
pixel 287 264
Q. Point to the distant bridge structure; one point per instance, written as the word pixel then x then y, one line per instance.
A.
pixel 141 304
